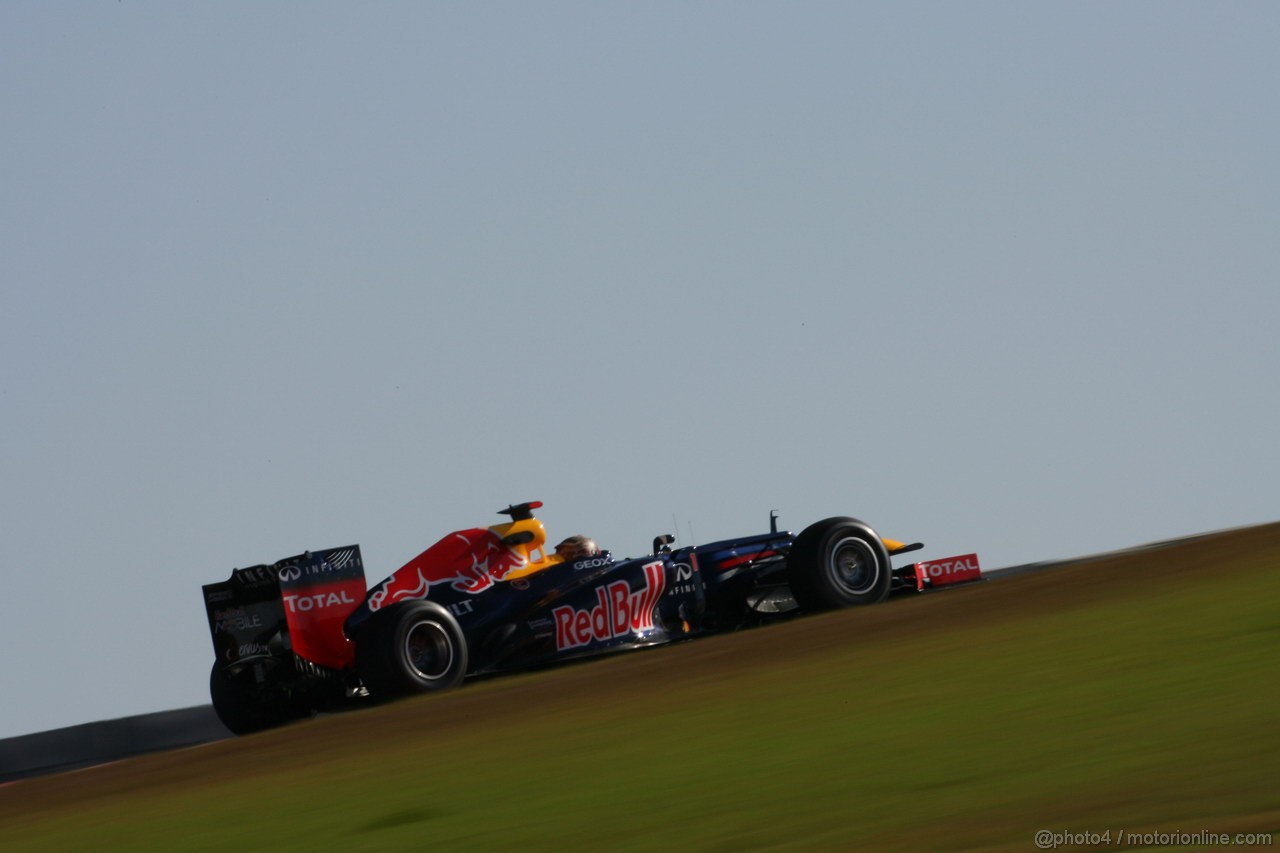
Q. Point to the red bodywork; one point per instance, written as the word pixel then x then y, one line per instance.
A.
pixel 316 613
pixel 471 560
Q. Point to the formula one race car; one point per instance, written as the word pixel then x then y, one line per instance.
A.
pixel 303 635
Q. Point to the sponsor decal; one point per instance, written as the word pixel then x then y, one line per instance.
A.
pixel 235 619
pixel 462 608
pixel 318 601
pixel 254 575
pixel 344 561
pixel 469 561
pixel 319 589
pixel 590 563
pixel 951 570
pixel 315 611
pixel 686 574
pixel 310 566
pixel 619 611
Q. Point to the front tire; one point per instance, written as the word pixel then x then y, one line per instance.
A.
pixel 409 648
pixel 839 562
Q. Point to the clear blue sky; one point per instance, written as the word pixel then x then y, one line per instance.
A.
pixel 1002 277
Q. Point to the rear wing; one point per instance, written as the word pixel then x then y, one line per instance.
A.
pixel 295 606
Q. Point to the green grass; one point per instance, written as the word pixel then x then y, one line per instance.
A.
pixel 1155 707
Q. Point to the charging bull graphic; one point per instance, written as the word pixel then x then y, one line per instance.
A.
pixel 470 561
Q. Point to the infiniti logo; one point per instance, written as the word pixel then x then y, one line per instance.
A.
pixel 290 573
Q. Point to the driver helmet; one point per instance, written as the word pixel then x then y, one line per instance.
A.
pixel 577 547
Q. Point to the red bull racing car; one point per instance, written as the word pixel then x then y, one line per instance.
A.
pixel 304 635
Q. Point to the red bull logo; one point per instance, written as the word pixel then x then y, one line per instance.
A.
pixel 470 561
pixel 619 611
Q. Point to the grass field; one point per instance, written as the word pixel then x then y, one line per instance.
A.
pixel 1132 693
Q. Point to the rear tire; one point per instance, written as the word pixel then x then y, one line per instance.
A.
pixel 839 562
pixel 409 648
pixel 245 709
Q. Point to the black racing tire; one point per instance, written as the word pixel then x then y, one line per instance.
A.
pixel 245 709
pixel 838 562
pixel 410 648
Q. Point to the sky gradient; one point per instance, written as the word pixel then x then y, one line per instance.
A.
pixel 1001 277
